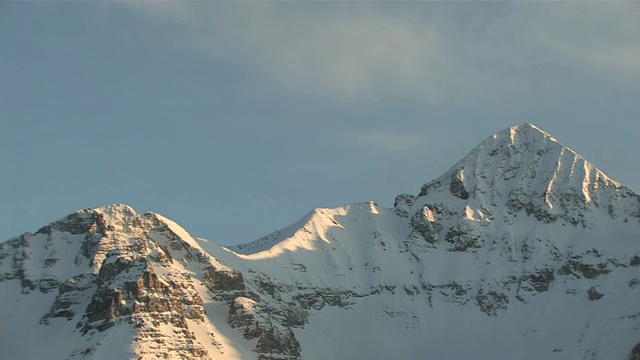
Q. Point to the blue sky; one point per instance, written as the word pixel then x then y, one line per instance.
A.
pixel 236 119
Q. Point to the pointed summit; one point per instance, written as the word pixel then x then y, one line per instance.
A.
pixel 526 131
pixel 534 172
pixel 503 155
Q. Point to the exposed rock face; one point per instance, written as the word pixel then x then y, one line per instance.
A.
pixel 112 257
pixel 492 301
pixel 425 223
pixel 540 280
pixel 522 242
pixel 457 185
pixel 403 204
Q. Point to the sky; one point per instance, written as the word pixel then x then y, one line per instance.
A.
pixel 236 119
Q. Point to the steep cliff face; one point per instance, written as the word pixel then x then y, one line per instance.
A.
pixel 521 250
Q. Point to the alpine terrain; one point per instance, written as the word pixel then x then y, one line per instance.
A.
pixel 522 250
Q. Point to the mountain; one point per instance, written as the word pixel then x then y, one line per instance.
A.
pixel 522 250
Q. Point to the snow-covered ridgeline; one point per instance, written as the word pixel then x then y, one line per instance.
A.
pixel 522 249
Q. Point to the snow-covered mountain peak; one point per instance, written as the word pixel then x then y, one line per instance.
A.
pixel 505 152
pixel 317 225
pixel 109 267
pixel 527 169
pixel 118 208
pixel 84 220
pixel 523 134
pixel 300 235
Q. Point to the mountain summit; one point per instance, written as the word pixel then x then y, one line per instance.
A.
pixel 522 250
pixel 524 167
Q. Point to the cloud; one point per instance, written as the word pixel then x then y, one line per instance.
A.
pixel 343 50
pixel 432 51
pixel 603 36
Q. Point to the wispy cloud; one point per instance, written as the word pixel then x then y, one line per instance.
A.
pixel 343 50
pixel 602 35
pixel 434 52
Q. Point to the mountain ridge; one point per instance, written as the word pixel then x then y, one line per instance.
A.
pixel 502 245
pixel 504 143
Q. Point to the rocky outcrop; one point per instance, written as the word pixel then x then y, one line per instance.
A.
pixel 71 294
pixel 457 186
pixel 594 294
pixel 403 204
pixel 540 280
pixel 577 267
pixel 491 302
pixel 426 224
pixel 464 237
pixel 275 339
pixel 223 281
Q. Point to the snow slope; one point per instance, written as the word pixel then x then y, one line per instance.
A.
pixel 522 250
